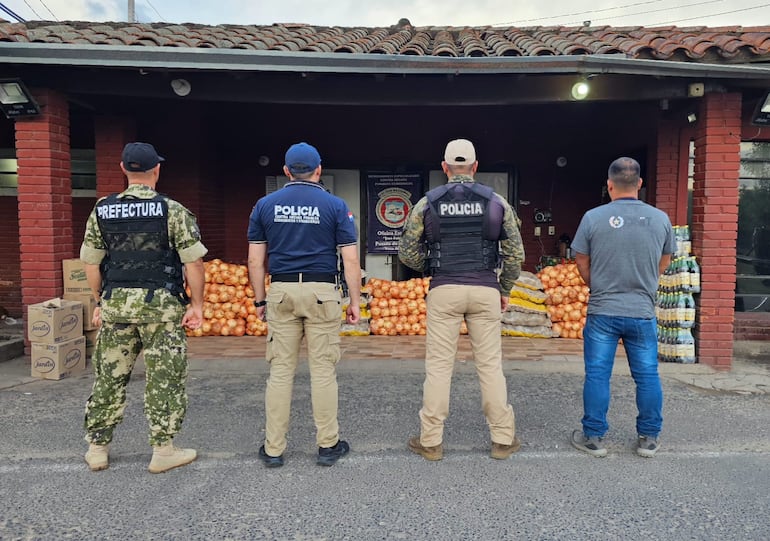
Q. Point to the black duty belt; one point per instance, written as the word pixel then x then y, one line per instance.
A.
pixel 304 277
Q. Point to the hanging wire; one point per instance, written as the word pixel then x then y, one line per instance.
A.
pixel 33 10
pixel 155 10
pixel 8 11
pixel 712 15
pixel 46 7
pixel 579 13
pixel 648 12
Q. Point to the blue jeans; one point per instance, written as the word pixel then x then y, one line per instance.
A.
pixel 600 341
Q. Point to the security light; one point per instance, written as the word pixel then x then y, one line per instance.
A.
pixel 580 90
pixel 16 100
pixel 181 87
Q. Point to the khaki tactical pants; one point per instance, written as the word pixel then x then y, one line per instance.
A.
pixel 480 306
pixel 296 310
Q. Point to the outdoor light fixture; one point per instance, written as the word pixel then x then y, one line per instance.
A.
pixel 16 100
pixel 691 117
pixel 181 87
pixel 762 114
pixel 580 90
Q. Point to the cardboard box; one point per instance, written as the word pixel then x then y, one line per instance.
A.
pixel 57 361
pixel 89 305
pixel 90 337
pixel 54 321
pixel 74 273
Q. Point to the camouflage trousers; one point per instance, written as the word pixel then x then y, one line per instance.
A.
pixel 164 346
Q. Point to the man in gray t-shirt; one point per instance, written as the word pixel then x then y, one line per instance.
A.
pixel 621 249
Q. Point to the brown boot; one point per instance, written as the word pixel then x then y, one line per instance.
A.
pixel 428 453
pixel 98 457
pixel 167 457
pixel 501 451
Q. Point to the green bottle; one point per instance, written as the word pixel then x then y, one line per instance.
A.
pixel 694 269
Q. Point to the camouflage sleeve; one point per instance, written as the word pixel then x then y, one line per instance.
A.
pixel 411 248
pixel 93 249
pixel 184 234
pixel 511 249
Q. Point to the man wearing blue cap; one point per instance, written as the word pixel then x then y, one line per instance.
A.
pixel 140 249
pixel 294 234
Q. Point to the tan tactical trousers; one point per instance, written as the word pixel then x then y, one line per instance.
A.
pixel 480 305
pixel 296 310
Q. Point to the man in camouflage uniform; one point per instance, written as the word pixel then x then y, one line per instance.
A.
pixel 139 249
pixel 458 234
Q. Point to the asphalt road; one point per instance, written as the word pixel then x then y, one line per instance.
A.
pixel 709 480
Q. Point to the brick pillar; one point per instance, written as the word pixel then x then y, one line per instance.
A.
pixel 667 170
pixel 715 223
pixel 45 197
pixel 111 135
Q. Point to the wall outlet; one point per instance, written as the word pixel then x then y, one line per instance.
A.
pixel 537 230
pixel 551 230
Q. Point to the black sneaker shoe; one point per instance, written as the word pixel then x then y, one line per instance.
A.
pixel 270 461
pixel 328 456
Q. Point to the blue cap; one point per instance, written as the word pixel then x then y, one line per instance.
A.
pixel 140 157
pixel 302 158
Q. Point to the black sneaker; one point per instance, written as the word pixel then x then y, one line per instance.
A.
pixel 270 461
pixel 328 456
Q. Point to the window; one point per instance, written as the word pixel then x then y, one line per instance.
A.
pixel 752 287
pixel 752 291
pixel 83 172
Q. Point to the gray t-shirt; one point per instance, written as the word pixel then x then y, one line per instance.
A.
pixel 625 240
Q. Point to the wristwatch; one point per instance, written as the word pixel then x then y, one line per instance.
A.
pixel 259 303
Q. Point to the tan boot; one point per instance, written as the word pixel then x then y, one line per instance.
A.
pixel 98 457
pixel 500 451
pixel 167 457
pixel 428 453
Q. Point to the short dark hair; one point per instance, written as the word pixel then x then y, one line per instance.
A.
pixel 625 172
pixel 460 169
pixel 302 176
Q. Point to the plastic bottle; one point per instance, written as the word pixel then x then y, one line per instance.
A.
pixel 683 275
pixel 694 269
pixel 678 309
pixel 662 346
pixel 688 317
pixel 687 347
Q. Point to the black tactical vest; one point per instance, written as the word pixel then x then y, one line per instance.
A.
pixel 457 229
pixel 139 255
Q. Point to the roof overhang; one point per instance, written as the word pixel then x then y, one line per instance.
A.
pixel 240 60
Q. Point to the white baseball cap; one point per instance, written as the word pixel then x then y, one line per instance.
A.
pixel 460 152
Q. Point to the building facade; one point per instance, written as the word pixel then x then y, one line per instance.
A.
pixel 223 103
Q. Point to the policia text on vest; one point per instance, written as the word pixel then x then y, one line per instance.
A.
pixel 461 209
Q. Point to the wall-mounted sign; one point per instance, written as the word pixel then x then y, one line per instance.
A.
pixel 391 197
pixel 762 114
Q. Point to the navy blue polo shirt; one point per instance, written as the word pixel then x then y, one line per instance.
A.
pixel 303 225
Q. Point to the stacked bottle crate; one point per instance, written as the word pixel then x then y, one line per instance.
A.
pixel 675 306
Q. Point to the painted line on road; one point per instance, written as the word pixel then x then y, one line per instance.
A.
pixel 217 460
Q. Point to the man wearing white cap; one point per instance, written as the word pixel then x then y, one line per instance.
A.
pixel 459 234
